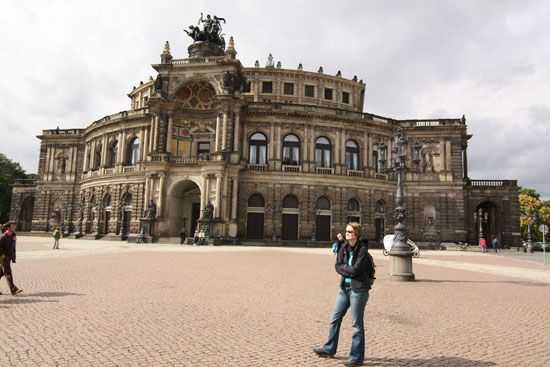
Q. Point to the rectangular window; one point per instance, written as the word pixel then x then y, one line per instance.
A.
pixel 345 97
pixel 267 87
pixel 203 148
pixel 309 91
pixel 328 93
pixel 247 87
pixel 288 88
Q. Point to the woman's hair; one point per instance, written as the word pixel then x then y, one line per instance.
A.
pixel 6 226
pixel 357 227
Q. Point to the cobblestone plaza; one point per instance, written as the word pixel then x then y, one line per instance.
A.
pixel 106 303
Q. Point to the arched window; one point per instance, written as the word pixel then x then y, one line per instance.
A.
pixel 258 149
pixel 322 152
pixel 353 205
pixel 352 155
pixel 256 201
pixel 290 201
pixel 113 152
pixel 380 207
pixel 127 200
pixel 133 152
pixel 323 203
pixel 291 150
pixel 107 200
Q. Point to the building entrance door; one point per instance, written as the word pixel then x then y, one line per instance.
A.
pixel 290 227
pixel 195 215
pixel 255 226
pixel 322 228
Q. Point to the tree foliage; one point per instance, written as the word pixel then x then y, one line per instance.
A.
pixel 533 212
pixel 9 172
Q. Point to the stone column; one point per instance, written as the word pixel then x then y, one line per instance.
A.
pixel 161 199
pixel 104 151
pixel 146 140
pixel 86 152
pixel 465 161
pixel 225 188
pixel 224 132
pixel 205 194
pixel 147 193
pixel 217 140
pixel 123 147
pixel 337 147
pixel 236 139
pixel 169 134
pixel 271 143
pixel 277 143
pixel 234 198
pixel 155 132
pixel 304 146
pixel 218 195
pixel 150 135
pixel 92 155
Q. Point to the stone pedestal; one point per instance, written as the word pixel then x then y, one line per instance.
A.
pixel 401 266
pixel 204 49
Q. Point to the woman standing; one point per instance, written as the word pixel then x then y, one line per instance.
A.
pixel 356 268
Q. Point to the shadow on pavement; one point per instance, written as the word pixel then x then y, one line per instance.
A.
pixel 434 361
pixel 34 297
pixel 516 282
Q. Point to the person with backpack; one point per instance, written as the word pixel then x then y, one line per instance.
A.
pixel 356 267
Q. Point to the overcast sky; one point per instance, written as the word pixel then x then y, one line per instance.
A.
pixel 69 63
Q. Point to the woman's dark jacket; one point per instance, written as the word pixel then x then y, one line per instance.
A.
pixel 361 270
pixel 6 246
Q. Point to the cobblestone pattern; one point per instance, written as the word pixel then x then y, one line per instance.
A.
pixel 194 307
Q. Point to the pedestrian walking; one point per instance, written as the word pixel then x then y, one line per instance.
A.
pixel 7 254
pixel 496 245
pixel 56 237
pixel 483 245
pixel 356 268
pixel 336 245
pixel 183 235
pixel 196 237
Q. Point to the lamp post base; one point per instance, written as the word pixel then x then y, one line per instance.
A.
pixel 401 266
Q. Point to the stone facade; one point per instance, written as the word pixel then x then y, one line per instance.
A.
pixel 281 154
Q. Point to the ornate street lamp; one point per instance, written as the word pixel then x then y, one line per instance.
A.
pixel 417 148
pixel 382 156
pixel 401 252
pixel 480 217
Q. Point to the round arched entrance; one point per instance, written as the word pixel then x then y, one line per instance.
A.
pixel 184 207
pixel 487 221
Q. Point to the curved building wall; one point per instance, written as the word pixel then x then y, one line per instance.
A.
pixel 279 154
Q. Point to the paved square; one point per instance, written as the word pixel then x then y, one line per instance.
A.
pixel 99 303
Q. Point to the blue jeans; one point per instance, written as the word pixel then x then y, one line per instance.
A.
pixel 357 301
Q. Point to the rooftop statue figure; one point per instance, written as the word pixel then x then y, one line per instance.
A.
pixel 211 30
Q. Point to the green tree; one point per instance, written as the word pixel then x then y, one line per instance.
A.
pixel 9 172
pixel 533 212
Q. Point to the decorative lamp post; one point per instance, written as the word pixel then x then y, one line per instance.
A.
pixel 401 252
pixel 417 147
pixel 382 156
